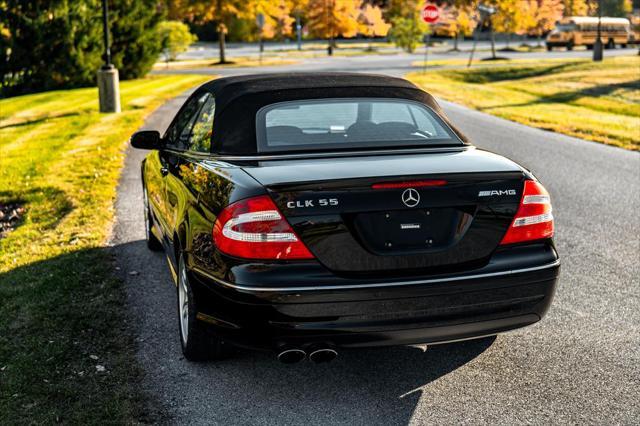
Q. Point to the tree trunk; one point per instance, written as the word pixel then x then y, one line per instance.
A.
pixel 222 29
pixel 539 40
pixel 221 43
pixel 455 41
pixel 493 43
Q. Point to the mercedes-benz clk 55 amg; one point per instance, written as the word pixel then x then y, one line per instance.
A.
pixel 307 213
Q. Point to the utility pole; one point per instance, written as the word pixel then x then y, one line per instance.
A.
pixel 108 80
pixel 597 47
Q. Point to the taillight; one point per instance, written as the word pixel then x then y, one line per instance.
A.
pixel 409 184
pixel 534 220
pixel 254 229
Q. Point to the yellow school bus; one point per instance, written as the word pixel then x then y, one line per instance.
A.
pixel 582 31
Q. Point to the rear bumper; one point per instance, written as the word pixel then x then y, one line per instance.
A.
pixel 434 310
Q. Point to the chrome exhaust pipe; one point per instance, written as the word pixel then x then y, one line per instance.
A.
pixel 323 355
pixel 291 356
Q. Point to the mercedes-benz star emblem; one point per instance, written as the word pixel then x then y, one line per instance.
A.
pixel 410 197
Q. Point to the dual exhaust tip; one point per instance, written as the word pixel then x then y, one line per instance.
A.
pixel 317 356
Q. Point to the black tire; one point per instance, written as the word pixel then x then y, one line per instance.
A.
pixel 623 46
pixel 589 46
pixel 152 241
pixel 198 342
pixel 549 48
pixel 570 45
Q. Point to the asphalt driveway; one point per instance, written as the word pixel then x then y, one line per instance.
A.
pixel 581 364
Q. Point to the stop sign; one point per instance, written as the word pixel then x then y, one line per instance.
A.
pixel 430 14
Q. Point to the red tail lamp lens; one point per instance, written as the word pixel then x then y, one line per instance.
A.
pixel 534 220
pixel 255 229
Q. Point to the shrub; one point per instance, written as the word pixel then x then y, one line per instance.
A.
pixel 54 44
pixel 175 38
pixel 407 33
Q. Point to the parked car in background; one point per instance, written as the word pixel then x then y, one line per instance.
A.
pixel 583 30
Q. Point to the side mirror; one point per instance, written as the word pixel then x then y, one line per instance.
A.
pixel 146 139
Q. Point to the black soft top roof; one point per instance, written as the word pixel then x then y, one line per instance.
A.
pixel 239 98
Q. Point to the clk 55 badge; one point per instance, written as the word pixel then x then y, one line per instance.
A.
pixel 321 202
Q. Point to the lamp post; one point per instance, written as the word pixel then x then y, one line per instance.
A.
pixel 485 13
pixel 108 80
pixel 597 47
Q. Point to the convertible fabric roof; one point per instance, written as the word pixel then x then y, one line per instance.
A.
pixel 239 98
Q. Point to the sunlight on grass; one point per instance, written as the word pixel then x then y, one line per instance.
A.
pixel 60 140
pixel 61 159
pixel 598 102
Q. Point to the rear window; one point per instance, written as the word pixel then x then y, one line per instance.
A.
pixel 333 124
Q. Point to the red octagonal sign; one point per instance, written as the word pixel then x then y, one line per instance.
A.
pixel 430 14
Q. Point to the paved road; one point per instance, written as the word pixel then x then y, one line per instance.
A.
pixel 581 364
pixel 397 65
pixel 204 50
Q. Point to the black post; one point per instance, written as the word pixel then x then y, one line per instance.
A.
pixel 597 47
pixel 330 27
pixel 298 30
pixel 105 30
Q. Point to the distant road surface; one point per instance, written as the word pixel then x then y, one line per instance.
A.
pixel 581 364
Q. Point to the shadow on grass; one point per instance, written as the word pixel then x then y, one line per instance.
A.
pixel 63 319
pixel 506 73
pixel 573 96
pixel 60 319
pixel 39 120
pixel 52 205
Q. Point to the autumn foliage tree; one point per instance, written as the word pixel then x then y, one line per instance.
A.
pixel 332 18
pixel 544 15
pixel 511 17
pixel 575 7
pixel 219 11
pixel 372 24
pixel 278 18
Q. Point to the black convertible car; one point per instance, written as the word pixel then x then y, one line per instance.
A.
pixel 306 213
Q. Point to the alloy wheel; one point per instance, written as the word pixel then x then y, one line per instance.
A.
pixel 183 302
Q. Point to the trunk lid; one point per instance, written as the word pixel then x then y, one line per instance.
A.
pixel 398 214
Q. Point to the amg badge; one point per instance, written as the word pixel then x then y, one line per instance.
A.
pixel 497 192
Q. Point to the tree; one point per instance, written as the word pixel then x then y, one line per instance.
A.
pixel 135 43
pixel 278 19
pixel 371 21
pixel 407 33
pixel 512 16
pixel 219 11
pixel 402 9
pixel 53 44
pixel 175 38
pixel 544 15
pixel 575 7
pixel 332 18
pixel 619 8
pixel 461 13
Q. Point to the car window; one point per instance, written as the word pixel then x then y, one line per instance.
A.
pixel 203 125
pixel 329 124
pixel 179 132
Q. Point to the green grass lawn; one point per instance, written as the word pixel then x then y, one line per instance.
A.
pixel 65 354
pixel 594 101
